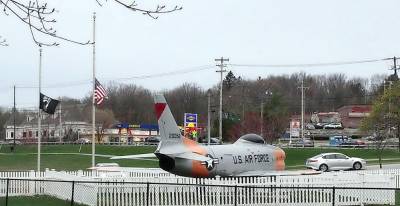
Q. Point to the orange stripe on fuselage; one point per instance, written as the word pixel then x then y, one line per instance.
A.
pixel 198 170
pixel 193 146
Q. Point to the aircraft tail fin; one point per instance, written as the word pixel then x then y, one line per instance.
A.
pixel 169 131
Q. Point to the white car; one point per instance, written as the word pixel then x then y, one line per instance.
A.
pixel 83 141
pixel 335 161
pixel 333 126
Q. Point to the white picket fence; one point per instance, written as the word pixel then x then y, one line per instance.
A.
pixel 156 187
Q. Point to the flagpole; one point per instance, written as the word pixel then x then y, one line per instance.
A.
pixel 94 87
pixel 39 112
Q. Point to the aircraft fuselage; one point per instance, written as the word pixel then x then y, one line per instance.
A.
pixel 227 160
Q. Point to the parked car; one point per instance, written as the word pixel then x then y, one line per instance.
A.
pixel 154 139
pixel 17 142
pixel 213 140
pixel 344 141
pixel 310 126
pixel 319 125
pixel 302 143
pixel 333 126
pixel 83 141
pixel 335 161
pixel 353 143
pixel 337 140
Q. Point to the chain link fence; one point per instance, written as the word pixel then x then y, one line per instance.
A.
pixel 34 192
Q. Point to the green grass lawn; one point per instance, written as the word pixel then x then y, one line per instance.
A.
pixel 100 149
pixel 25 157
pixel 35 201
pixel 296 157
pixel 397 197
pixel 62 162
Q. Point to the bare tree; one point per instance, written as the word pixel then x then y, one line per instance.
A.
pixel 153 13
pixel 39 17
pixel 187 98
pixel 250 124
pixel 104 119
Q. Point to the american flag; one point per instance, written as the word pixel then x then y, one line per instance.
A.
pixel 99 93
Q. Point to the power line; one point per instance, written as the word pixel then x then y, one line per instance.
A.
pixel 88 81
pixel 176 72
pixel 311 64
pixel 196 69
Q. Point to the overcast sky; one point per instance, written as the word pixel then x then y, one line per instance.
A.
pixel 130 44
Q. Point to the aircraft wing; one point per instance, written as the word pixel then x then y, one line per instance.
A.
pixel 278 173
pixel 106 169
pixel 138 156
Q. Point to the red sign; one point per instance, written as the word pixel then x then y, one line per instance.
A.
pixel 360 109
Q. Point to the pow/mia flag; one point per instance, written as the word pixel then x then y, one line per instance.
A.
pixel 48 104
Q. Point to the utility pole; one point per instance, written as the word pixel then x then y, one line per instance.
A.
pixel 390 113
pixel 365 93
pixel 13 148
pixel 268 93
pixel 209 117
pixel 221 66
pixel 243 100
pixel 261 118
pixel 60 132
pixel 93 90
pixel 39 111
pixel 395 68
pixel 302 107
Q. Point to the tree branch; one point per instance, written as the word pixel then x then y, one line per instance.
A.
pixel 3 42
pixel 153 13
pixel 39 19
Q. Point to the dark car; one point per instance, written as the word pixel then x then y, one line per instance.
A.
pixel 154 139
pixel 353 143
pixel 302 143
pixel 319 125
pixel 213 140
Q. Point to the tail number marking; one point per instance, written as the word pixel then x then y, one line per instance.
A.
pixel 174 135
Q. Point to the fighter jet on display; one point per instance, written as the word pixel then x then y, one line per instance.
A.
pixel 248 156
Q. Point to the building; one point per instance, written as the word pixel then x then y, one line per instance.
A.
pixel 126 133
pixel 352 115
pixel 52 130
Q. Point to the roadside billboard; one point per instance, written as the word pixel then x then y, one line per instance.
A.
pixel 190 125
pixel 295 128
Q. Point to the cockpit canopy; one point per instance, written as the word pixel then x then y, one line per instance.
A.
pixel 251 138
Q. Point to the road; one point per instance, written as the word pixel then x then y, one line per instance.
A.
pixel 385 166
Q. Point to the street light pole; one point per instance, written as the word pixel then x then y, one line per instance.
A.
pixel 268 93
pixel 39 112
pixel 262 118
pixel 13 148
pixel 302 107
pixel 209 117
pixel 221 66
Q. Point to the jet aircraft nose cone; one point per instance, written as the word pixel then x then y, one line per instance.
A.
pixel 280 156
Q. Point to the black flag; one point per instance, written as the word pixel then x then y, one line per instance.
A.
pixel 48 104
